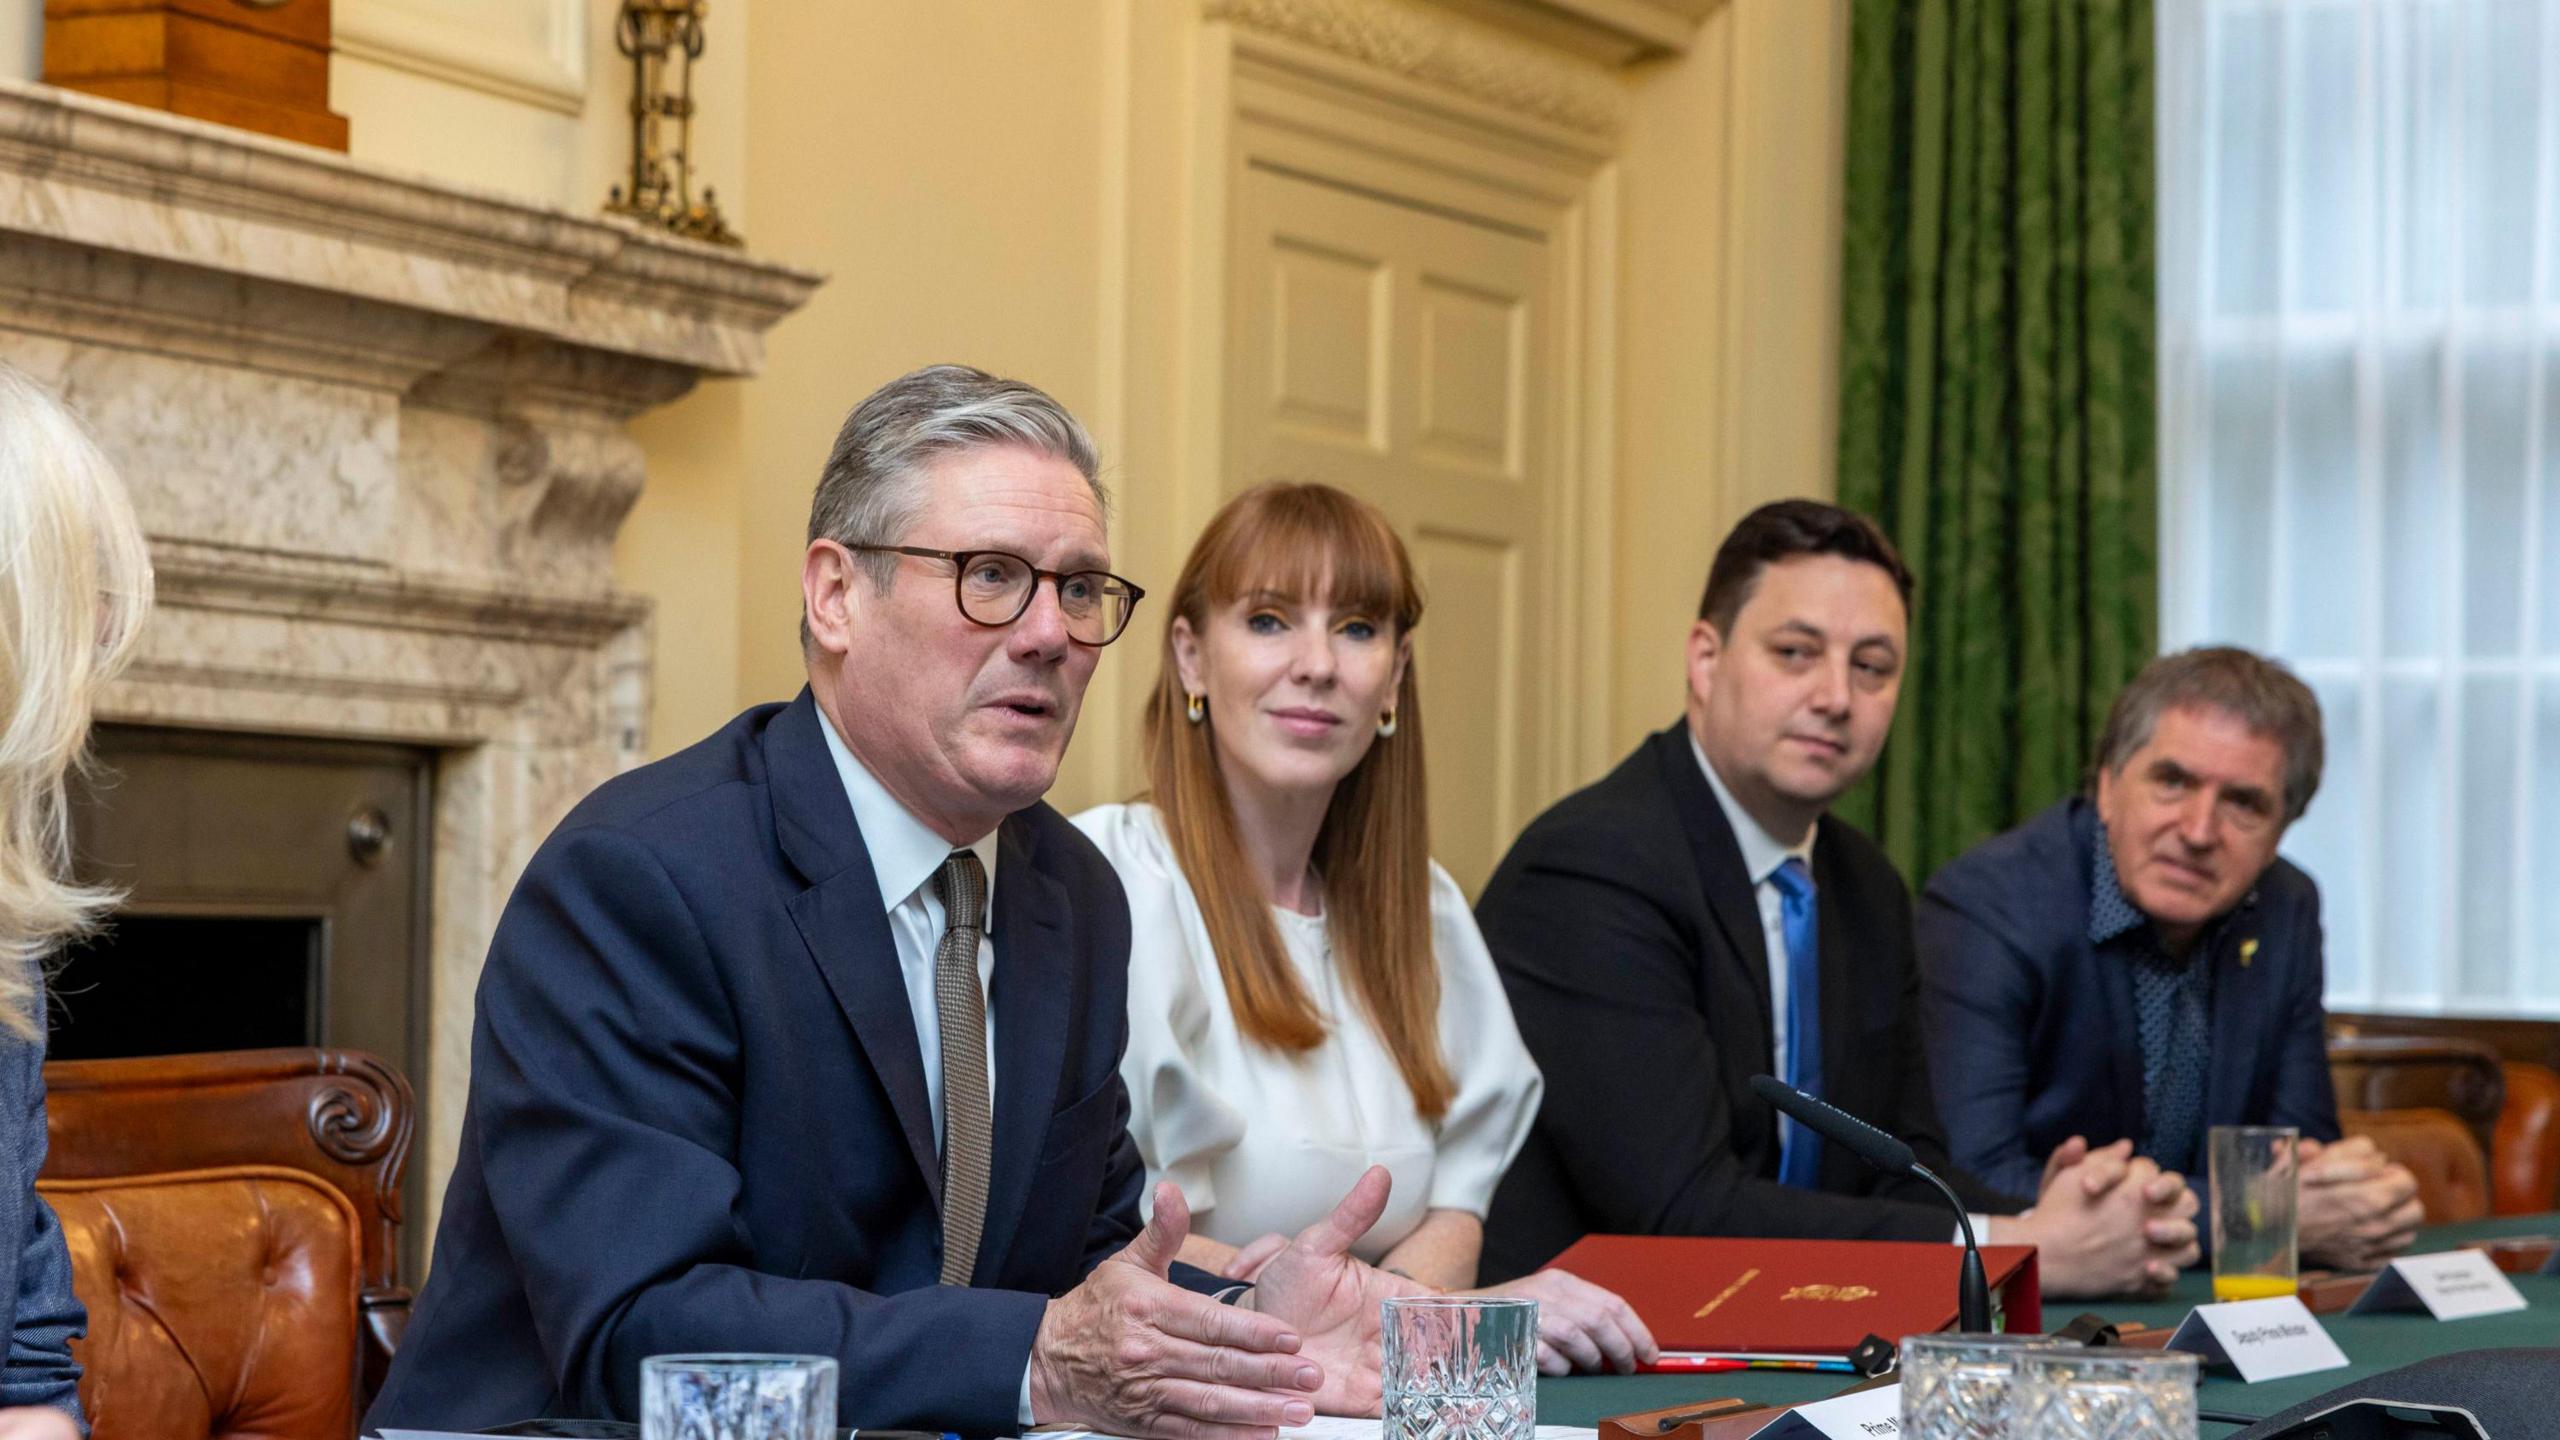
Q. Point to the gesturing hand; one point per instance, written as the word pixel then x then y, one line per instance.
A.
pixel 1130 1353
pixel 1331 1299
pixel 1252 1256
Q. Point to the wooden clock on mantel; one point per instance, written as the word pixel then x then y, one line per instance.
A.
pixel 256 64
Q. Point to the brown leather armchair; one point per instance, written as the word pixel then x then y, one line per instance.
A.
pixel 2400 1072
pixel 234 1226
pixel 2452 1174
pixel 2524 1158
pixel 2536 1042
pixel 222 1303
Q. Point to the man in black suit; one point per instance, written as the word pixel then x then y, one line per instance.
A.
pixel 1696 918
pixel 807 1038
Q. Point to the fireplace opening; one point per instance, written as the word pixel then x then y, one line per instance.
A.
pixel 172 984
pixel 275 895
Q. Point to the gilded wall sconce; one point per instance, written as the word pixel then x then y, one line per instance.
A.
pixel 663 38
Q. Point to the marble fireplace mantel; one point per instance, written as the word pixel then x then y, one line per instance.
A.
pixel 375 426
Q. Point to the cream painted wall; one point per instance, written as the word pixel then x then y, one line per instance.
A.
pixel 681 547
pixel 21 39
pixel 1728 355
pixel 408 120
pixel 965 171
pixel 939 161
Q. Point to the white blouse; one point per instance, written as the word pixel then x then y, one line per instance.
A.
pixel 1264 1142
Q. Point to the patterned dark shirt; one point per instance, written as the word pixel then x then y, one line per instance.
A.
pixel 2172 1008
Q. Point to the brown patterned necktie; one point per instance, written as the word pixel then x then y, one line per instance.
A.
pixel 968 1117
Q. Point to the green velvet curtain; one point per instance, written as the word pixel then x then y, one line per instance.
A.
pixel 1996 391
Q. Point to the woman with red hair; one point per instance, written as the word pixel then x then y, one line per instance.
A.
pixel 1308 993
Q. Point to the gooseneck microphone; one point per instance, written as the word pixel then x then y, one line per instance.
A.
pixel 1893 1157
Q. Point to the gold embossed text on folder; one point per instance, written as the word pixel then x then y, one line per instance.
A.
pixel 1727 1293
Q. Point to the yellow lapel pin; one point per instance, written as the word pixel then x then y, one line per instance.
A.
pixel 2248 951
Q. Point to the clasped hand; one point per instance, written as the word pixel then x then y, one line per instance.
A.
pixel 2106 1222
pixel 2358 1207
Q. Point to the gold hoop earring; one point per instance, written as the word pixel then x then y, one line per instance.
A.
pixel 1196 709
pixel 1386 724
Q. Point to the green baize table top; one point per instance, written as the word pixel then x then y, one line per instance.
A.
pixel 2373 1343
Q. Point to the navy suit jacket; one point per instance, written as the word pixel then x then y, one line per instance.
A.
pixel 35 1272
pixel 1628 935
pixel 698 1117
pixel 2031 1032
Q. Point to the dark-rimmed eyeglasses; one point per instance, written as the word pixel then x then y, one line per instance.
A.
pixel 994 587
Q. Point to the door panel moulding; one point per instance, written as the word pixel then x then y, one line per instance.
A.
pixel 1420 105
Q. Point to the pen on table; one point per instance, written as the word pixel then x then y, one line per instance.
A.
pixel 1725 1364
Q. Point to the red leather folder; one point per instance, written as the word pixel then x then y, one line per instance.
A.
pixel 1808 1297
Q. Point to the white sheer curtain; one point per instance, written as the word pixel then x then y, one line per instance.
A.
pixel 2360 407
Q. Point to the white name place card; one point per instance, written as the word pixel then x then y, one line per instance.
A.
pixel 2262 1339
pixel 1859 1416
pixel 1323 1427
pixel 2455 1285
pixel 1342 1427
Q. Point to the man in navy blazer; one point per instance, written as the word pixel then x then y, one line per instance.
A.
pixel 806 1039
pixel 2139 963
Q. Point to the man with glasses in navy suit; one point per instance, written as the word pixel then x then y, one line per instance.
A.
pixel 807 1038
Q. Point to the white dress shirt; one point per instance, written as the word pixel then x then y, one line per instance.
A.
pixel 1762 854
pixel 1264 1142
pixel 905 855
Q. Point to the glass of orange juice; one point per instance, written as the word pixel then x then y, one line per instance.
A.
pixel 2254 1178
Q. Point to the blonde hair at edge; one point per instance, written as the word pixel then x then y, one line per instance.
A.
pixel 1309 542
pixel 75 583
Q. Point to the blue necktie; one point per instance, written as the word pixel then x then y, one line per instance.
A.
pixel 1800 1162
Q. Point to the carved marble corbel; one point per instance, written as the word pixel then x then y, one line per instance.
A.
pixel 566 470
pixel 583 470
